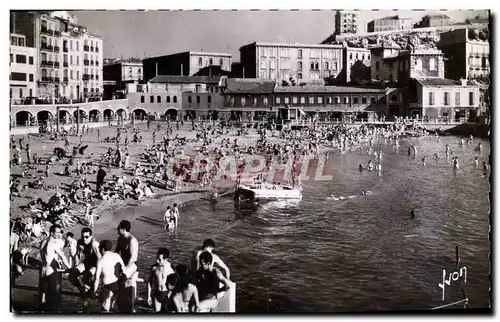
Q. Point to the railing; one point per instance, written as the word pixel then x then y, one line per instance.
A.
pixel 47 63
pixel 65 79
pixel 65 64
pixel 47 79
pixel 56 64
pixel 65 49
pixel 46 47
pixel 56 48
pixel 86 77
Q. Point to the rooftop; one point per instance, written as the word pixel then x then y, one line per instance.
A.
pixel 175 79
pixel 326 89
pixel 438 82
pixel 298 45
pixel 249 86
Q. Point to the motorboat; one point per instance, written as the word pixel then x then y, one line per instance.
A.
pixel 259 191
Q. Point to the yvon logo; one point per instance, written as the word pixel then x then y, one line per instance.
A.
pixel 453 277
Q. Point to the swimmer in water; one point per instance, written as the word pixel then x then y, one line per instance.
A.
pixel 476 162
pixel 412 214
pixel 370 165
pixel 436 156
pixel 360 168
pixel 455 163
pixel 423 161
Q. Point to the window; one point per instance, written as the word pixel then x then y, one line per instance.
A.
pixel 294 100
pixel 377 66
pixel 190 100
pixel 299 65
pixel 367 56
pixel 220 61
pixel 18 76
pixel 363 100
pixel 327 66
pixel 302 100
pixel 31 92
pixel 355 100
pixel 299 76
pixel 432 64
pixel 312 66
pixel 320 100
pixel 31 78
pixel 77 46
pixel 197 99
pixel 457 99
pixel 287 100
pixel 11 58
pixel 200 62
pixel 175 99
pixel 350 56
pixel 255 101
pixel 471 98
pixel 20 93
pixel 431 98
pixel 158 99
pixel 300 53
pixel 446 98
pixel 71 44
pixel 210 62
pixel 31 60
pixel 363 57
pixel 317 66
pixel 328 100
pixel 278 100
pixel 78 60
pixel 264 100
pixel 168 99
pixel 345 100
pixel 151 99
pixel 21 59
pixel 335 66
pixel 209 99
pixel 373 100
pixel 311 100
pixel 142 99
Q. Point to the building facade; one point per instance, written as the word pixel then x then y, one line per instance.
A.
pixel 468 55
pixel 389 24
pixel 23 69
pixel 346 22
pixel 184 64
pixel 296 63
pixel 444 99
pixel 434 21
pixel 357 64
pixel 119 74
pixel 69 58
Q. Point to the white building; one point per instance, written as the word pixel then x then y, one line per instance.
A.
pixel 346 22
pixel 23 68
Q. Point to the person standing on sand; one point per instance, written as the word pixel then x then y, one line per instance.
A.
pixel 101 174
pixel 98 136
pixel 127 247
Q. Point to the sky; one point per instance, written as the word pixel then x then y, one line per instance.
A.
pixel 154 33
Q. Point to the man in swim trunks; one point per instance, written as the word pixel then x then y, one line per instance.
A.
pixel 208 246
pixel 51 252
pixel 89 247
pixel 111 267
pixel 157 281
pixel 127 247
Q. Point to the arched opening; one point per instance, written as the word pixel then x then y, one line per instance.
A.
pixel 64 116
pixel 108 114
pixel 44 116
pixel 24 118
pixel 83 115
pixel 121 114
pixel 171 114
pixel 94 115
pixel 394 98
pixel 140 114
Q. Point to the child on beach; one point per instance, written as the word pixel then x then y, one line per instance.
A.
pixel 71 244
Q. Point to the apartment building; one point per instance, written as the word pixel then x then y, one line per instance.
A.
pixel 346 22
pixel 69 57
pixel 392 23
pixel 295 63
pixel 187 63
pixel 118 75
pixel 356 64
pixel 23 69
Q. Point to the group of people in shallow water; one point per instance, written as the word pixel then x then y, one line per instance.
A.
pixel 89 264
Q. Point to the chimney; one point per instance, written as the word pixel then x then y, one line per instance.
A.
pixel 464 81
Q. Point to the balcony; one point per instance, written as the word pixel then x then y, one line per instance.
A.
pixel 56 48
pixel 65 79
pixel 96 49
pixel 57 79
pixel 56 64
pixel 47 63
pixel 46 47
pixel 57 33
pixel 85 48
pixel 65 49
pixel 86 62
pixel 65 64
pixel 46 79
pixel 46 31
pixel 86 77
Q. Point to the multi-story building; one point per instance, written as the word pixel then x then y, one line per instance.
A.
pixel 69 58
pixel 346 22
pixel 356 63
pixel 468 55
pixel 163 96
pixel 118 74
pixel 381 69
pixel 389 24
pixel 23 69
pixel 433 21
pixel 184 64
pixel 298 63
